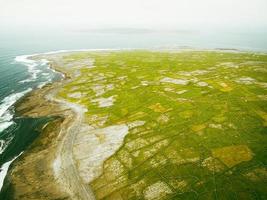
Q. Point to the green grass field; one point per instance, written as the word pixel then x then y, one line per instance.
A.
pixel 205 116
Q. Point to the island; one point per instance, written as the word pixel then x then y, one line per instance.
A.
pixel 147 124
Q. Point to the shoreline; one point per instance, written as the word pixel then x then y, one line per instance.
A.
pixel 39 103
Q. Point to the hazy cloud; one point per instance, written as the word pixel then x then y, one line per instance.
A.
pixel 133 13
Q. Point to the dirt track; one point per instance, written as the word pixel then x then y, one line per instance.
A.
pixel 69 175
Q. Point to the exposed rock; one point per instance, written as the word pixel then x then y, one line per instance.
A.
pixel 174 81
pixel 157 190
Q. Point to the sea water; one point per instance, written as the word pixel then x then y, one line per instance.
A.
pixel 20 75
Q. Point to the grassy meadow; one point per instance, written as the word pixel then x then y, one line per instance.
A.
pixel 202 118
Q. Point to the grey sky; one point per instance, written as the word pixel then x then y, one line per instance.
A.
pixel 133 13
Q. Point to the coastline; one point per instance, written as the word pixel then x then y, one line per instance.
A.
pixel 42 103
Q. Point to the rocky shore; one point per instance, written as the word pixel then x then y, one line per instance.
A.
pixel 32 176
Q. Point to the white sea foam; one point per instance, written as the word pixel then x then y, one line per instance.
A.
pixel 6 117
pixel 36 69
pixel 44 62
pixel 4 144
pixel 8 101
pixel 4 169
pixel 6 120
pixel 5 113
pixel 42 84
pixel 32 67
pixel 5 125
pixel 45 74
pixel 82 50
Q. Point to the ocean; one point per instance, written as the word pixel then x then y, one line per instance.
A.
pixel 19 75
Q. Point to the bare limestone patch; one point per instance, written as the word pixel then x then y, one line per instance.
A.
pixel 181 185
pixel 104 102
pixel 144 83
pixel 98 89
pixel 202 84
pixel 110 86
pixel 174 81
pixel 193 73
pixel 246 80
pixel 169 89
pixel 157 161
pixel 173 90
pixel 113 170
pixel 150 151
pixel 137 188
pixel 260 69
pixel 157 190
pixel 135 124
pixel 97 120
pixel 252 62
pixel 181 92
pixel 136 144
pixel 126 158
pixel 212 164
pixel 100 77
pixel 163 119
pixel 182 156
pixel 228 65
pixel 75 95
pixel 121 78
pixel 74 63
pixel 135 87
pixel 93 147
pixel 216 126
pixel 262 84
pixel 184 100
pixel 101 89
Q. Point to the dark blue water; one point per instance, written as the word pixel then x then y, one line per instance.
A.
pixel 18 76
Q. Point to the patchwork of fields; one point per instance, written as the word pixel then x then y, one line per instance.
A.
pixel 191 124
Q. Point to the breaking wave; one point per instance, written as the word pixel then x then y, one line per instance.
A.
pixel 4 169
pixel 6 114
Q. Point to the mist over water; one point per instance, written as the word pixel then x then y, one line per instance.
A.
pixel 39 40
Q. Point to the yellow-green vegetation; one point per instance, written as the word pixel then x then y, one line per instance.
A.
pixel 204 118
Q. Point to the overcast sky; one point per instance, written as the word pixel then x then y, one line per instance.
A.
pixel 133 13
